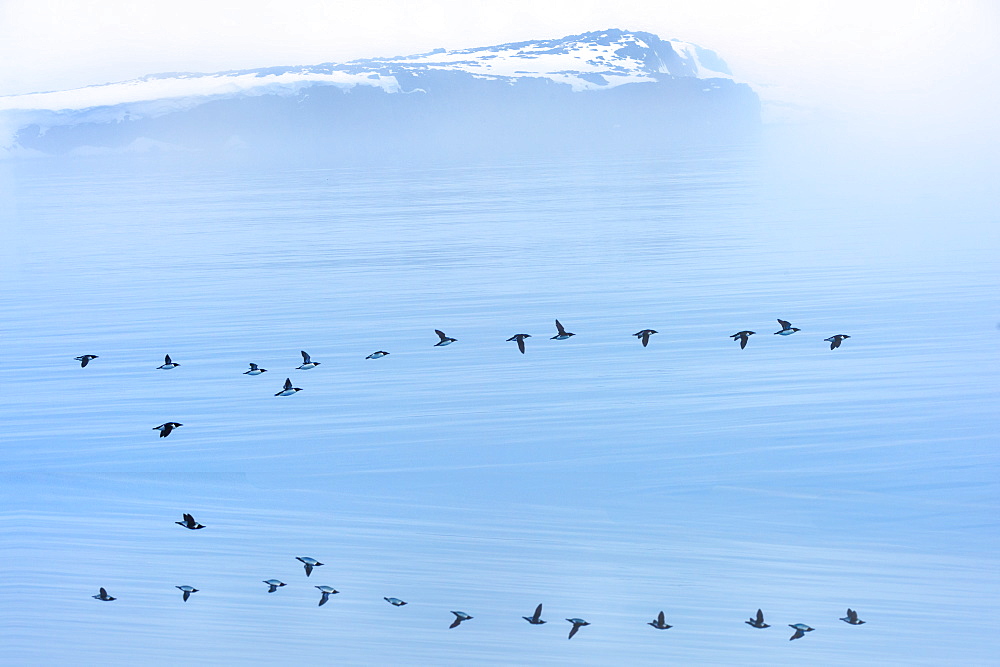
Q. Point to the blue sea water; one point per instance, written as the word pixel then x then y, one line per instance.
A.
pixel 603 479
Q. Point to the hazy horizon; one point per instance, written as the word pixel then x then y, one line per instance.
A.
pixel 853 60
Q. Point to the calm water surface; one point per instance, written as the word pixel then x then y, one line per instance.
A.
pixel 605 480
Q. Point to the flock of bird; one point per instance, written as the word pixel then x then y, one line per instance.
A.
pixel 288 389
pixel 310 564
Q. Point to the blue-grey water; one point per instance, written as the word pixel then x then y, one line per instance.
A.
pixel 606 480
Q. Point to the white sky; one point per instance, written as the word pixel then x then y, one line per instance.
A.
pixel 848 56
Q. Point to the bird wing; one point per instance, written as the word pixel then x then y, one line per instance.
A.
pixel 573 631
pixel 760 616
pixel 84 361
pixel 440 335
pixel 305 357
pixel 853 615
pixel 784 324
pixel 659 619
pixel 104 593
pixel 520 345
pixel 538 612
pixel 455 623
pixel 288 383
pixel 559 328
pixel 645 338
pixel 743 341
pixel 253 366
pixel 797 635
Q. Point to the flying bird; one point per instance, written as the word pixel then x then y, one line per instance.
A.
pixel 659 623
pixel 835 341
pixel 327 591
pixel 307 362
pixel 377 355
pixel 561 333
pixel 309 563
pixel 273 585
pixel 445 340
pixel 188 590
pixel 167 364
pixel 460 616
pixel 852 618
pixel 800 630
pixel 644 335
pixel 189 523
pixel 395 602
pixel 520 340
pixel 85 359
pixel 577 624
pixel 536 618
pixel 757 622
pixel 743 337
pixel 786 329
pixel 255 370
pixel 289 390
pixel 103 595
pixel 167 428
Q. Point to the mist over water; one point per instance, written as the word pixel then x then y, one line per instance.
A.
pixel 605 480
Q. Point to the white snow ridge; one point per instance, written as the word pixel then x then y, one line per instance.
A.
pixel 590 61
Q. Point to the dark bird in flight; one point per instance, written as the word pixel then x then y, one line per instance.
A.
pixel 167 364
pixel 800 630
pixel 189 523
pixel 536 618
pixel 644 335
pixel 85 359
pixel 167 428
pixel 307 362
pixel 103 595
pixel 327 591
pixel 659 623
pixel 577 624
pixel 757 622
pixel 835 341
pixel 445 340
pixel 561 333
pixel 377 355
pixel 255 370
pixel 786 329
pixel 273 585
pixel 460 616
pixel 395 602
pixel 188 590
pixel 852 618
pixel 743 337
pixel 520 340
pixel 309 563
pixel 289 390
